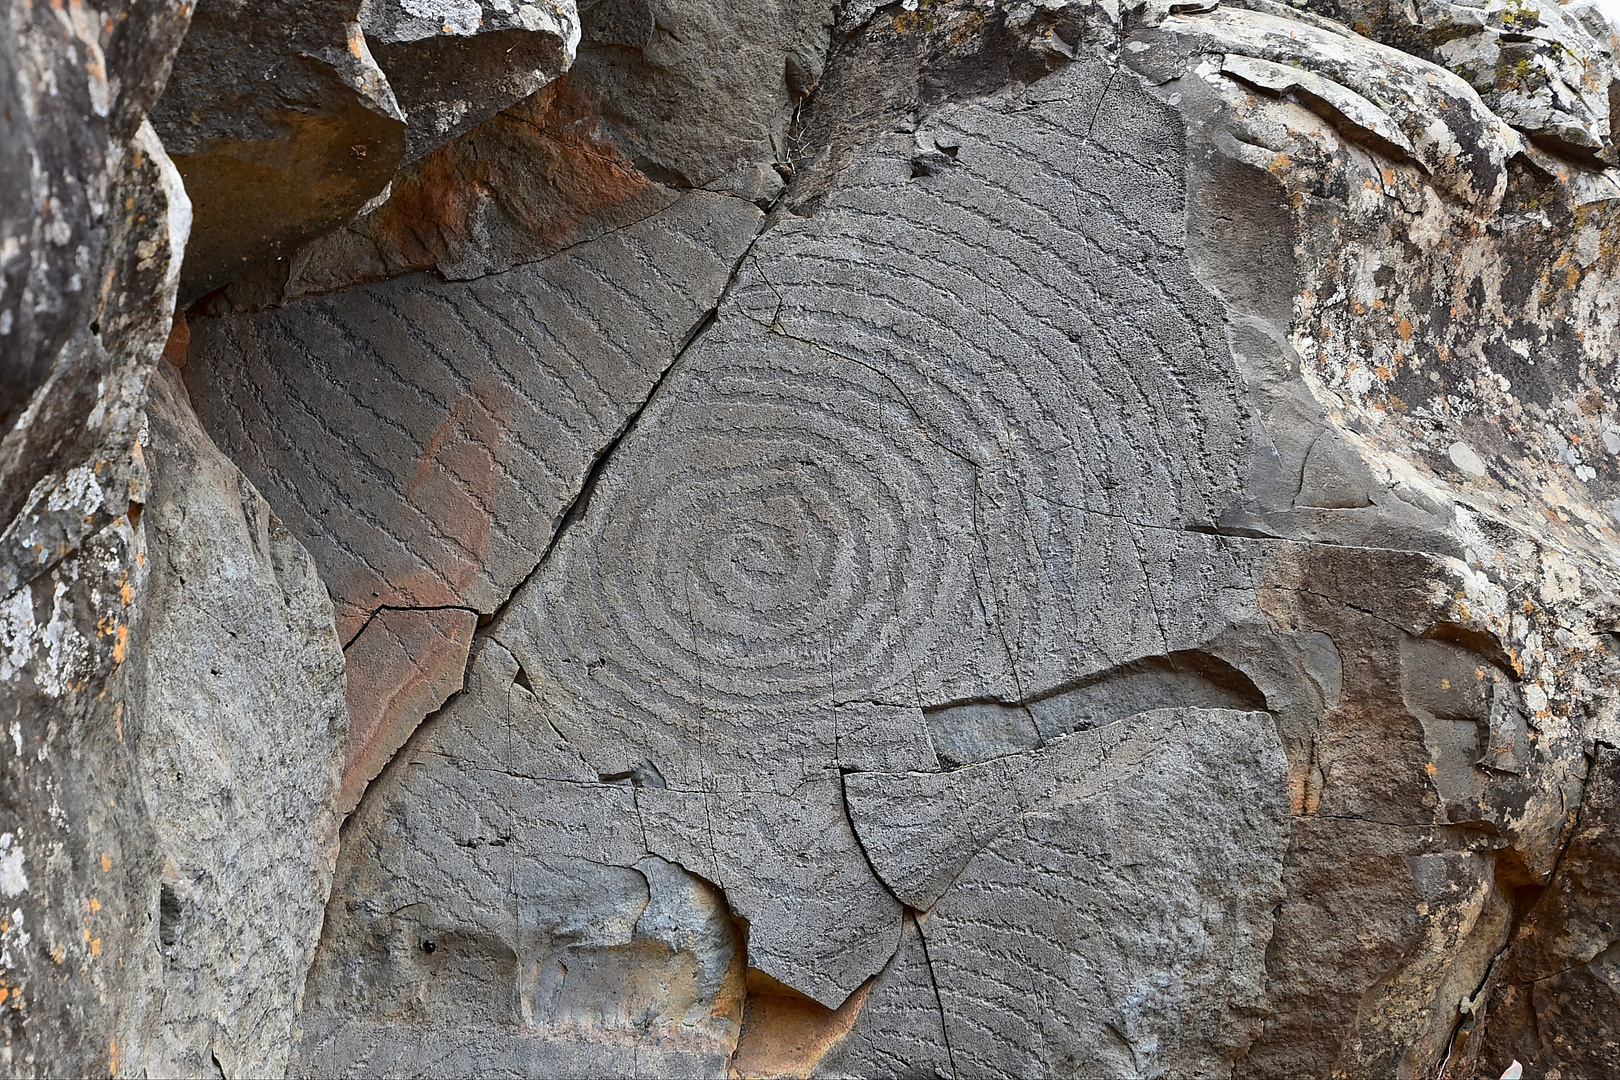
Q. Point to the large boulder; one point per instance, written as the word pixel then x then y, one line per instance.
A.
pixel 285 127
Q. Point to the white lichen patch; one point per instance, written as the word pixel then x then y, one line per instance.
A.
pixel 13 938
pixel 57 652
pixel 67 654
pixel 13 879
pixel 461 17
pixel 18 634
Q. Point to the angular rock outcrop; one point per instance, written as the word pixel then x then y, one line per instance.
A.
pixel 1550 1002
pixel 169 671
pixel 240 706
pixel 942 538
pixel 284 126
pixel 278 142
pixel 453 64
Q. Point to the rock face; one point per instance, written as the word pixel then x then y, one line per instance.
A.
pixel 455 63
pixel 284 126
pixel 170 676
pixel 951 539
pixel 280 142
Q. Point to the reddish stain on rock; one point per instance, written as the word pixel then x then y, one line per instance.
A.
pixel 402 667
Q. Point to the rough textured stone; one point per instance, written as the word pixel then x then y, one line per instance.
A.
pixel 944 538
pixel 171 680
pixel 477 407
pixel 609 959
pixel 75 84
pixel 402 667
pixel 285 127
pixel 176 722
pixel 458 62
pixel 996 442
pixel 1545 68
pixel 90 277
pixel 897 1028
pixel 281 124
pixel 1109 898
pixel 1553 1001
pixel 701 94
pixel 241 727
pixel 528 183
pixel 657 102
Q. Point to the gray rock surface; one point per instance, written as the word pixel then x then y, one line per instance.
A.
pixel 938 539
pixel 285 127
pixel 454 63
pixel 171 681
pixel 1108 899
pixel 1545 68
pixel 402 666
pixel 478 408
pixel 1551 1001
pixel 701 94
pixel 92 268
pixel 659 101
pixel 75 85
pixel 239 700
pixel 533 875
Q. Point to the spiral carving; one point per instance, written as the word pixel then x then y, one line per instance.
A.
pixel 774 544
pixel 940 444
pixel 927 440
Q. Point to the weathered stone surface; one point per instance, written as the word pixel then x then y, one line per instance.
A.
pixel 1086 550
pixel 911 512
pixel 1114 920
pixel 658 102
pixel 526 184
pixel 75 84
pixel 1397 370
pixel 1552 1004
pixel 282 126
pixel 477 407
pixel 609 959
pixel 402 667
pixel 455 63
pixel 174 688
pixel 285 127
pixel 896 1028
pixel 241 725
pixel 89 287
pixel 700 94
pixel 171 680
pixel 1545 68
